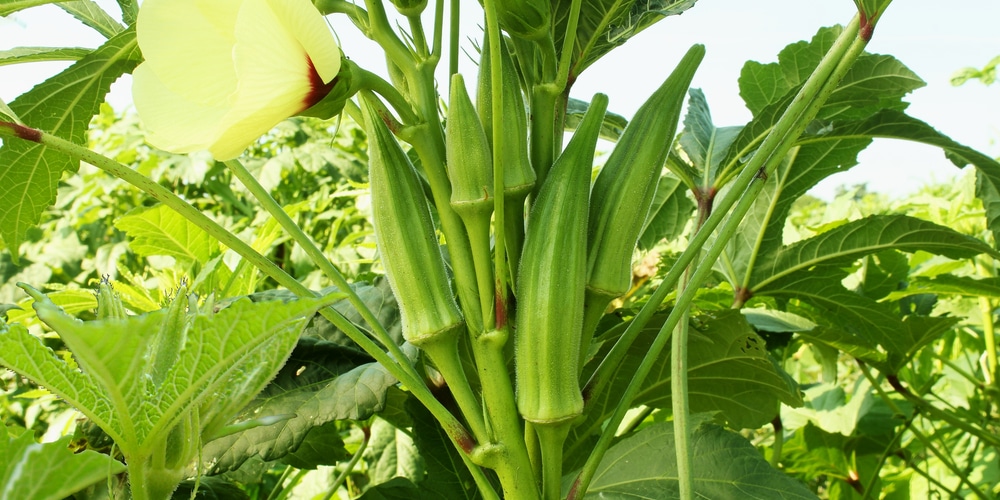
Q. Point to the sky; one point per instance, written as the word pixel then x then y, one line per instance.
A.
pixel 932 38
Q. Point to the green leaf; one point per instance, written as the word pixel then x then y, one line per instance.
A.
pixel 725 465
pixel 391 453
pixel 92 15
pixel 844 244
pixel 611 129
pixel 321 382
pixel 26 355
pixel 606 24
pixel 33 471
pixel 321 446
pixel 704 144
pixel 35 54
pixel 397 488
pixel 7 114
pixel 669 212
pixel 130 10
pixel 729 372
pixel 11 6
pixel 159 230
pixel 893 124
pixel 228 356
pixel 63 105
pixel 874 81
pixel 949 284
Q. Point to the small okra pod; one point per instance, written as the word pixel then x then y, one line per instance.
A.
pixel 406 238
pixel 470 165
pixel 624 189
pixel 551 282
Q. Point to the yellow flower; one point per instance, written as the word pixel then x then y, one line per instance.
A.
pixel 218 74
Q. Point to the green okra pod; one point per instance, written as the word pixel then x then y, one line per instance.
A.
pixel 406 238
pixel 624 189
pixel 470 164
pixel 551 282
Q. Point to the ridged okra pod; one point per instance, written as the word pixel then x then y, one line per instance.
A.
pixel 470 170
pixel 406 239
pixel 551 281
pixel 413 262
pixel 470 165
pixel 624 189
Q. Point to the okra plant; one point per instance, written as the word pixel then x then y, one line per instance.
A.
pixel 511 340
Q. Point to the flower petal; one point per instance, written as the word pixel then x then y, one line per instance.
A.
pixel 274 77
pixel 302 20
pixel 173 123
pixel 188 44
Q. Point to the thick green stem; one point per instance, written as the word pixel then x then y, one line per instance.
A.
pixel 550 440
pixel 679 404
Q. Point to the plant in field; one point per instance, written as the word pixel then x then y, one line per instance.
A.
pixel 511 349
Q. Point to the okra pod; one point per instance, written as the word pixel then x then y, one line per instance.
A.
pixel 552 280
pixel 470 164
pixel 406 238
pixel 624 190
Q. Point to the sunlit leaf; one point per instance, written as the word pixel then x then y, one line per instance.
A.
pixel 849 242
pixel 63 105
pixel 34 54
pixel 93 16
pixel 11 6
pixel 606 24
pixel 35 471
pixel 161 231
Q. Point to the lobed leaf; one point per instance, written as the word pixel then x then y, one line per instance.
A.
pixel 93 16
pixel 669 213
pixel 8 7
pixel 63 105
pixel 35 54
pixel 606 24
pixel 159 230
pixel 844 244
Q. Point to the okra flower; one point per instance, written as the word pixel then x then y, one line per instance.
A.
pixel 218 74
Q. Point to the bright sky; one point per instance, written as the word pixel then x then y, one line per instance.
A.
pixel 933 38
